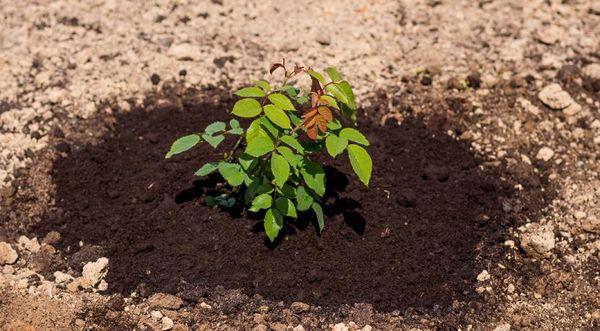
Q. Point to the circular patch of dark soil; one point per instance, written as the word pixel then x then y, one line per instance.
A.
pixel 417 237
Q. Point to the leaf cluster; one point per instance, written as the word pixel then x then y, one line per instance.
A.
pixel 271 159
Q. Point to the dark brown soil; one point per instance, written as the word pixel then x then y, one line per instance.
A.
pixel 430 221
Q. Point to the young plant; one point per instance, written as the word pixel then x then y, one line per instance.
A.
pixel 271 157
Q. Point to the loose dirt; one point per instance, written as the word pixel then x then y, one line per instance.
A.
pixel 417 237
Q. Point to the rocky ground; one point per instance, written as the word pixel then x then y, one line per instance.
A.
pixel 521 79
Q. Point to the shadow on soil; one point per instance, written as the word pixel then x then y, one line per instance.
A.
pixel 430 221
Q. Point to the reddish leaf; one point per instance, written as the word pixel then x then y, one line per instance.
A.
pixel 312 132
pixel 326 114
pixel 275 66
pixel 310 122
pixel 298 69
pixel 316 86
pixel 310 113
pixel 321 123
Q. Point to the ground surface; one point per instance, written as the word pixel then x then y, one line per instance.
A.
pixel 479 71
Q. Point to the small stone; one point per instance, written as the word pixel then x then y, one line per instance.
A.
pixel 278 327
pixel 260 327
pixel 545 153
pixel 340 327
pixel 298 328
pixel 103 286
pixel 31 245
pixel 166 323
pixel 592 70
pixel 62 278
pixel 73 286
pixel 538 241
pixel 503 327
pixel 510 288
pixel 205 305
pixel 550 35
pixel 7 254
pixel 185 52
pixel 51 238
pixel 591 224
pixel 555 97
pixel 579 215
pixel 483 276
pixel 299 307
pixel 165 301
pixel 156 314
pixel 480 290
pixel 94 272
pixel 80 323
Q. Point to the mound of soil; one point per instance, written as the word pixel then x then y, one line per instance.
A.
pixel 417 237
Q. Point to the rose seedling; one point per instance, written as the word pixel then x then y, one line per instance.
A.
pixel 270 163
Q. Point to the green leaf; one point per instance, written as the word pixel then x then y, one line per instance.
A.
pixel 254 130
pixel 354 135
pixel 314 177
pixel 335 145
pixel 225 200
pixel 333 74
pixel 235 127
pixel 288 191
pixel 361 163
pixel 337 92
pixel 330 101
pixel 295 118
pixel 347 89
pixel 286 207
pixel 348 113
pixel 269 127
pixel 319 212
pixel 214 141
pixel 210 201
pixel 215 127
pixel 334 125
pixel 247 108
pixel 303 198
pixel 316 75
pixel 302 100
pixel 273 223
pixel 290 90
pixel 280 169
pixel 206 169
pixel 281 101
pixel 236 131
pixel 289 155
pixel 292 142
pixel 277 116
pixel 232 172
pixel 250 92
pixel 263 201
pixel 263 84
pixel 260 146
pixel 183 144
pixel 247 161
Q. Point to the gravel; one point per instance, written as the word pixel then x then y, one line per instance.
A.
pixel 7 254
pixel 555 97
pixel 94 272
pixel 538 241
